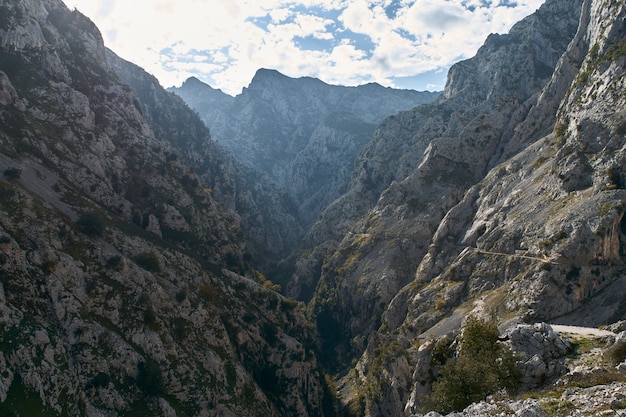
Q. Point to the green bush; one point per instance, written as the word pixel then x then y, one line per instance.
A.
pixel 208 293
pixel 150 378
pixel 12 173
pixel 148 261
pixel 91 224
pixel 483 366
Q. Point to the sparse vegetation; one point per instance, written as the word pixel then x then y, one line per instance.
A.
pixel 91 223
pixel 12 173
pixel 208 292
pixel 114 262
pixel 483 366
pixel 560 129
pixel 614 51
pixel 148 261
pixel 150 378
pixel 556 407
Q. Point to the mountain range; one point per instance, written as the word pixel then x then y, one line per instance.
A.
pixel 302 133
pixel 139 259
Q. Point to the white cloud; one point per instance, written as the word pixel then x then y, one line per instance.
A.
pixel 224 42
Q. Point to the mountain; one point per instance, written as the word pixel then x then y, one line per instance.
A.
pixel 503 198
pixel 130 239
pixel 268 216
pixel 303 133
pixel 458 138
pixel 125 283
pixel 435 152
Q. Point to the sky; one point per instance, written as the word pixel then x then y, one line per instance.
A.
pixel 406 44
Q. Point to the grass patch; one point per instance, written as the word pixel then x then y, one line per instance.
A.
pixel 557 408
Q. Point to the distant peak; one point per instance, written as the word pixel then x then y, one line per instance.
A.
pixel 265 75
pixel 265 72
pixel 197 84
pixel 193 81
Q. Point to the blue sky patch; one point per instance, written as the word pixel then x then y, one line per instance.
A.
pixel 434 80
pixel 311 43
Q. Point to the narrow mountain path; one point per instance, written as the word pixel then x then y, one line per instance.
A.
pixel 515 255
pixel 581 331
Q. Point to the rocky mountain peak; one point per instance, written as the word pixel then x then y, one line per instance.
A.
pixel 534 44
pixel 268 75
pixel 194 84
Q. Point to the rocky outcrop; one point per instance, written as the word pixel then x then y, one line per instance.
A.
pixel 589 384
pixel 540 350
pixel 125 286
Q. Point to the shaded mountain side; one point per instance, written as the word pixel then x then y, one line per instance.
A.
pixel 124 284
pixel 303 133
pixel 538 236
pixel 269 217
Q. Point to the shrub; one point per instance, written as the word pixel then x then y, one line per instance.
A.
pixel 148 261
pixel 99 381
pixel 483 366
pixel 181 295
pixel 12 173
pixel 180 328
pixel 91 224
pixel 150 378
pixel 208 292
pixel 114 262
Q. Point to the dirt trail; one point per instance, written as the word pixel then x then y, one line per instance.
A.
pixel 582 331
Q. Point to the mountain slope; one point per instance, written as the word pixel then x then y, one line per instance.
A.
pixel 269 217
pixel 419 164
pixel 518 215
pixel 124 286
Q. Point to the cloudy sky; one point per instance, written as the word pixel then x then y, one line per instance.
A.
pixel 397 43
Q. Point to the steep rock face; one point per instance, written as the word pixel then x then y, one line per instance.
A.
pixel 505 73
pixel 422 163
pixel 123 284
pixel 269 217
pixel 540 236
pixel 303 133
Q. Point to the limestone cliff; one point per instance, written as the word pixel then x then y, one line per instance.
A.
pixel 515 208
pixel 421 163
pixel 124 284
